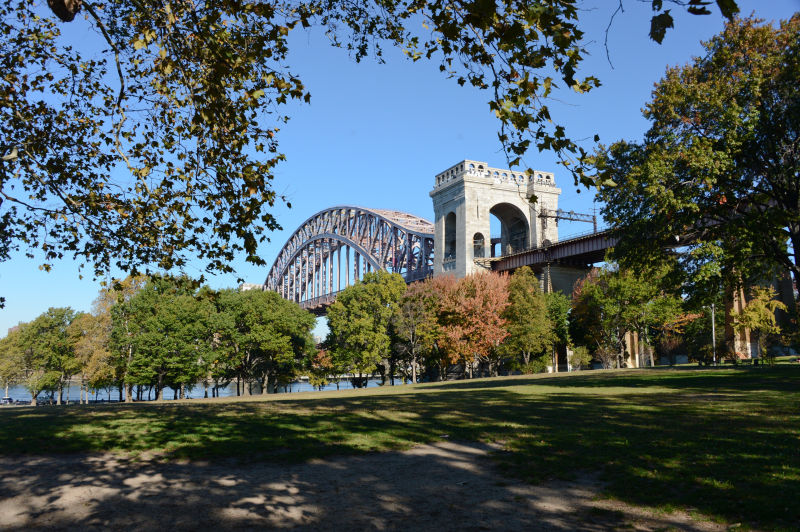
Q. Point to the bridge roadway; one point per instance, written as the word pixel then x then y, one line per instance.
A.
pixel 580 251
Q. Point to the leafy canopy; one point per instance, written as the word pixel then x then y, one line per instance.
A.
pixel 360 318
pixel 718 173
pixel 530 329
pixel 161 148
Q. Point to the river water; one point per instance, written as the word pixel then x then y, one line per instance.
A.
pixel 104 395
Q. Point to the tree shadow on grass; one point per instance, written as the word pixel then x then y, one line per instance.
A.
pixel 446 486
pixel 724 443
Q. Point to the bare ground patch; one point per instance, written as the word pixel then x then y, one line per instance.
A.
pixel 442 486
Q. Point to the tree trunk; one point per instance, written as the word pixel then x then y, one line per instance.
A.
pixel 130 388
pixel 160 389
pixel 60 392
pixel 265 384
pixel 413 369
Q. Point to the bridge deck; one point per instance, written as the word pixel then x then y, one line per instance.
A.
pixel 582 250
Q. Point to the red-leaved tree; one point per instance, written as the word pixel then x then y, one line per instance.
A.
pixel 471 318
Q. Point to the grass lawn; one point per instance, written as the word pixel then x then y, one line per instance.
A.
pixel 721 442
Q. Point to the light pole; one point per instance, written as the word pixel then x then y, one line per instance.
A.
pixel 713 335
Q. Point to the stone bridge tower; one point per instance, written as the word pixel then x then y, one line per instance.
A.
pixel 464 198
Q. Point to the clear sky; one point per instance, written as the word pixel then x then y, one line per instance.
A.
pixel 375 135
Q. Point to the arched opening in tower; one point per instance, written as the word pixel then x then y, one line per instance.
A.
pixel 509 229
pixel 478 246
pixel 450 237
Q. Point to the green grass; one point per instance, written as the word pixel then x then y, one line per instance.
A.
pixel 722 442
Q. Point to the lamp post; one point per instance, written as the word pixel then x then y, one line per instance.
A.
pixel 713 335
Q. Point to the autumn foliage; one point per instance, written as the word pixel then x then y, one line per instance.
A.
pixel 470 313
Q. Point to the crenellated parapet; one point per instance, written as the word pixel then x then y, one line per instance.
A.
pixel 482 171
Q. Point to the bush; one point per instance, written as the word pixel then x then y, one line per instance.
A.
pixel 580 358
pixel 536 365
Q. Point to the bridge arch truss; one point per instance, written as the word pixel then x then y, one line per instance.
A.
pixel 336 247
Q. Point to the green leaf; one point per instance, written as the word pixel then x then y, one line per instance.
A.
pixel 659 25
pixel 729 8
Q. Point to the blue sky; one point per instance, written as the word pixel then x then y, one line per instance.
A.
pixel 375 134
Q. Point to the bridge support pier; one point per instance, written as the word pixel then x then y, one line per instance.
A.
pixel 737 342
pixel 557 277
pixel 632 346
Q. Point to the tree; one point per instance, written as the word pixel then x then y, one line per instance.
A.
pixel 703 337
pixel 116 303
pixel 415 324
pixel 759 317
pixel 597 316
pixel 162 148
pixel 263 337
pixel 647 306
pixel 91 336
pixel 472 321
pixel 320 367
pixel 170 335
pixel 682 329
pixel 279 335
pixel 530 330
pixel 49 356
pixel 11 361
pixel 359 322
pixel 443 291
pixel 579 357
pixel 612 302
pixel 558 308
pixel 718 172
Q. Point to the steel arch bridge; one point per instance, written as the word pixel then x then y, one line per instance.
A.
pixel 308 270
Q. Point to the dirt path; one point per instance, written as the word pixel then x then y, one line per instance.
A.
pixel 444 486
